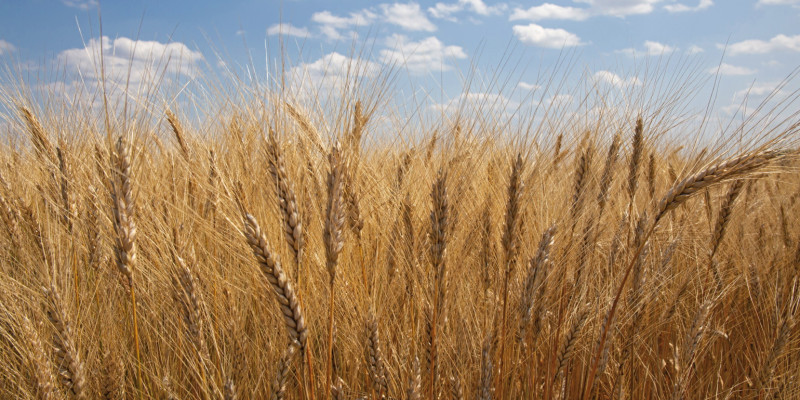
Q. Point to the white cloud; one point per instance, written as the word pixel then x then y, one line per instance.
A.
pixel 545 37
pixel 755 46
pixel 728 69
pixel 334 69
pixel 550 11
pixel 330 24
pixel 620 8
pixel 240 32
pixel 479 7
pixel 420 57
pixel 528 86
pixel 328 78
pixel 694 49
pixel 560 100
pixel 676 8
pixel 407 16
pixel 777 2
pixel 137 61
pixel 616 80
pixel 6 47
pixel 446 10
pixel 288 30
pixel 651 48
pixel 656 48
pixel 478 103
pixel 612 8
pixel 80 4
pixel 758 90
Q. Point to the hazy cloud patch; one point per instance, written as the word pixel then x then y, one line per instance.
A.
pixel 6 47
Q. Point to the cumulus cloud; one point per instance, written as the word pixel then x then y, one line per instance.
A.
pixel 759 90
pixel 613 79
pixel 621 8
pixel 288 29
pixel 446 10
pixel 420 57
pixel 6 47
pixel 651 48
pixel 594 8
pixel 136 61
pixel 333 69
pixel 694 49
pixel 677 8
pixel 330 24
pixel 728 69
pixel 550 11
pixel 80 4
pixel 528 86
pixel 755 46
pixel 408 16
pixel 539 36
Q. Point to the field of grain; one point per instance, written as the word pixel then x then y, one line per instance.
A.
pixel 272 249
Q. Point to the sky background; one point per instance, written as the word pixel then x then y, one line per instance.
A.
pixel 433 45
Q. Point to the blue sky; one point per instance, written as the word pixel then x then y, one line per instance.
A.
pixel 433 45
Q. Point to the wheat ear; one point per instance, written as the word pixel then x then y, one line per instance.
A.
pixel 189 299
pixel 273 271
pixel 768 368
pixel 42 144
pixel 439 229
pixel 334 242
pixel 180 134
pixel 414 382
pixel 68 363
pixel 45 382
pixel 112 381
pixel 293 224
pixel 569 342
pixel 282 373
pixel 534 283
pixel 607 175
pixel 125 229
pixel 487 367
pixel 636 159
pixel 377 369
pixel 724 215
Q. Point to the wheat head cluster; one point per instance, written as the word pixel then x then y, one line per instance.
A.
pixel 278 251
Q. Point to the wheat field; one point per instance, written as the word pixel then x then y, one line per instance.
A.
pixel 272 249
